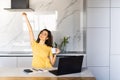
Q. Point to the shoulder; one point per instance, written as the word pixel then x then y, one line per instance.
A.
pixel 33 43
pixel 49 47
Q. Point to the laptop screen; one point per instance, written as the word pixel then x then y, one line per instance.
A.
pixel 70 64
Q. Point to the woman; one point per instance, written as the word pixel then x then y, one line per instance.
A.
pixel 41 48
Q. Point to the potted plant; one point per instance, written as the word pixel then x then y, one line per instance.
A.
pixel 64 43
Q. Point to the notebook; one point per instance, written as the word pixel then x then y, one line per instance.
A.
pixel 68 64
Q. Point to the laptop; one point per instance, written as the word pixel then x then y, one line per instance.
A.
pixel 69 64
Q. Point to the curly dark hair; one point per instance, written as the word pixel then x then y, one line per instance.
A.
pixel 49 41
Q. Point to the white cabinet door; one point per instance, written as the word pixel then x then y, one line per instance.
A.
pixel 97 47
pixel 8 62
pixel 24 61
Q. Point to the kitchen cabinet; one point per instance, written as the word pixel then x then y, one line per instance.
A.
pixel 8 62
pixel 24 62
pixel 13 62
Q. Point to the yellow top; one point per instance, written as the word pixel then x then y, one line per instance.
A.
pixel 41 54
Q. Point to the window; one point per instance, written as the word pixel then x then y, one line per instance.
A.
pixel 41 21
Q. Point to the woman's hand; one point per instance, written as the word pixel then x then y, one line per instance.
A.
pixel 53 58
pixel 57 51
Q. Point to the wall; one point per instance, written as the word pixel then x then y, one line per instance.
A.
pixel 98 38
pixel 103 49
pixel 115 40
pixel 68 24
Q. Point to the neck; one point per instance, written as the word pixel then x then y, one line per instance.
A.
pixel 42 42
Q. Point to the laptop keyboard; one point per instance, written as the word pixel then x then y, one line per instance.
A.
pixel 53 72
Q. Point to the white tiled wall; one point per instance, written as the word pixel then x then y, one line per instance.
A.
pixel 98 3
pixel 98 38
pixel 115 31
pixel 98 17
pixel 115 67
pixel 103 27
pixel 101 73
pixel 97 47
pixel 115 3
pixel 115 40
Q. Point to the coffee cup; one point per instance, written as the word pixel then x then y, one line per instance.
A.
pixel 53 50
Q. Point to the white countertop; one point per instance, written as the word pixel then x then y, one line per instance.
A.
pixel 29 54
pixel 18 72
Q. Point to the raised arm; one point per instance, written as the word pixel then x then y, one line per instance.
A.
pixel 29 27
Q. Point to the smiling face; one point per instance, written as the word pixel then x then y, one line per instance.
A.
pixel 46 36
pixel 43 35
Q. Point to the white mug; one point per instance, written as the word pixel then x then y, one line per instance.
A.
pixel 53 50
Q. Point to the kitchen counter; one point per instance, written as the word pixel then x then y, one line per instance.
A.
pixel 29 54
pixel 18 72
pixel 16 54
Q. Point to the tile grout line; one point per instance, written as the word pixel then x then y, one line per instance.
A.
pixel 109 39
